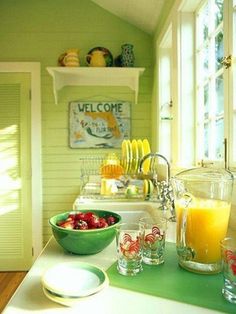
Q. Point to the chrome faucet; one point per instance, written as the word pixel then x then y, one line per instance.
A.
pixel 164 188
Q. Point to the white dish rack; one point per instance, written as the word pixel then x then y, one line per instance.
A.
pixel 91 182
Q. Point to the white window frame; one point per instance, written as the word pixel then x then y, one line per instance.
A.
pixel 182 14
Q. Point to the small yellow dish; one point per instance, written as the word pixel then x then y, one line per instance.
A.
pixel 130 156
pixel 147 188
pixel 140 151
pixel 125 155
pixel 146 150
pixel 135 157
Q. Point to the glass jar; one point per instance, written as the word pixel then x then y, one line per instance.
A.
pixel 202 204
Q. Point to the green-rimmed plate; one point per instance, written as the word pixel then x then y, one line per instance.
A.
pixel 74 279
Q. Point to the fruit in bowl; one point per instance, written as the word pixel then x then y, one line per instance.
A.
pixel 85 231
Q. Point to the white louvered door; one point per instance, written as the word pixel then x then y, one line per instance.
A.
pixel 15 172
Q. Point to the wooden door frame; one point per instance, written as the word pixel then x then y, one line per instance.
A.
pixel 36 183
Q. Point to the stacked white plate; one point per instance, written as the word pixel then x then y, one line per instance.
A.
pixel 71 282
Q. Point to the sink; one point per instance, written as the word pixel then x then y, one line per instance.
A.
pixel 132 215
pixel 130 212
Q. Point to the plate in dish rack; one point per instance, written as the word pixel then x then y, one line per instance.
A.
pixel 74 280
pixel 135 156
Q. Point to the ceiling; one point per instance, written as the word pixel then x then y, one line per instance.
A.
pixel 144 14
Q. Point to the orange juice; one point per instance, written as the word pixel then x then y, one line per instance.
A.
pixel 206 223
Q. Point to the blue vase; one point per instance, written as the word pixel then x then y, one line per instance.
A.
pixel 127 55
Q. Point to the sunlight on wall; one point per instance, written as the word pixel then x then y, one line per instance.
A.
pixel 10 182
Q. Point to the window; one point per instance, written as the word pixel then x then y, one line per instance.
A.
pixel 200 125
pixel 210 81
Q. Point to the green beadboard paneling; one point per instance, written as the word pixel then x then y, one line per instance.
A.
pixel 56 208
pixel 70 182
pixel 57 198
pixel 32 30
pixel 62 166
pixel 68 190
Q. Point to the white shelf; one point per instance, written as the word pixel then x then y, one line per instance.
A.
pixel 88 76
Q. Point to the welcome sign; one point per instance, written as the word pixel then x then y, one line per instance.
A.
pixel 99 124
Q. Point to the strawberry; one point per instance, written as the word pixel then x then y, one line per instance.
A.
pixel 79 216
pixel 84 221
pixel 88 215
pixel 81 225
pixel 93 222
pixel 111 220
pixel 233 267
pixel 102 223
pixel 72 215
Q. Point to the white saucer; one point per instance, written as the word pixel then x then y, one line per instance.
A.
pixel 74 280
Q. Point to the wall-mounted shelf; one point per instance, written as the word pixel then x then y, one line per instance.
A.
pixel 88 76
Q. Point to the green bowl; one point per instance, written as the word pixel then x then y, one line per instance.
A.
pixel 84 241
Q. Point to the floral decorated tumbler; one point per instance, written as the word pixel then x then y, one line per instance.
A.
pixel 154 239
pixel 129 249
pixel 228 250
pixel 202 204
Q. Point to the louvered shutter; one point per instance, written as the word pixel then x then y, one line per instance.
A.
pixel 15 178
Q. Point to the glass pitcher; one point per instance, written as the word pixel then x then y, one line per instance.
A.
pixel 202 199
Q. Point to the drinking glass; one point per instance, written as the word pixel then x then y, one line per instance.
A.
pixel 154 233
pixel 129 249
pixel 228 250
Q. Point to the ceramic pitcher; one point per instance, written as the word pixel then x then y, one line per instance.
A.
pixel 202 204
pixel 70 58
pixel 96 59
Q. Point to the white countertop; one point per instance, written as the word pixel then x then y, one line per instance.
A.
pixel 29 297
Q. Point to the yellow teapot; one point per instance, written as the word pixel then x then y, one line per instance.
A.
pixel 96 59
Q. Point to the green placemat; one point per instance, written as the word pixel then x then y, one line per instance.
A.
pixel 172 282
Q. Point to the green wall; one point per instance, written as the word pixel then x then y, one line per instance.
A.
pixel 40 30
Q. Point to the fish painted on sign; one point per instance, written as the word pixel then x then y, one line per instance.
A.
pixel 106 136
pixel 104 145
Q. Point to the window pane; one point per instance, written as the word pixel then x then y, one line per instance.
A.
pixel 219 50
pixel 206 140
pixel 210 85
pixel 202 25
pixel 206 62
pixel 206 101
pixel 219 139
pixel 205 19
pixel 165 146
pixel 218 12
pixel 219 95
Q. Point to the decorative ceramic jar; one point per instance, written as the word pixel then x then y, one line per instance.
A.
pixel 96 59
pixel 127 55
pixel 70 58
